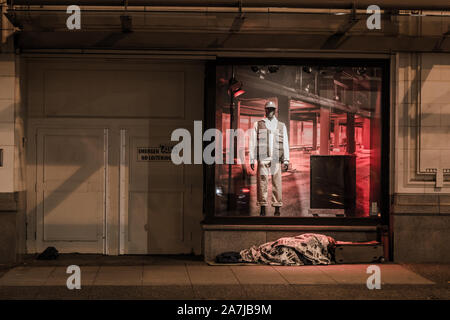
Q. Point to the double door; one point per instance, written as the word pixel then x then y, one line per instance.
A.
pixel 114 190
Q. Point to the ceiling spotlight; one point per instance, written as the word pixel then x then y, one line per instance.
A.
pixel 235 88
pixel 360 71
pixel 272 69
pixel 262 71
pixel 307 69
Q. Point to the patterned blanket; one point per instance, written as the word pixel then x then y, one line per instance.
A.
pixel 304 249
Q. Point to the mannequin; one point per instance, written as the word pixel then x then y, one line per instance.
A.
pixel 271 135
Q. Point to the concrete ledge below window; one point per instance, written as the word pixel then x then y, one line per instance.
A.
pixel 222 238
pixel 286 227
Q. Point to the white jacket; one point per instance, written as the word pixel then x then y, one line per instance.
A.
pixel 272 126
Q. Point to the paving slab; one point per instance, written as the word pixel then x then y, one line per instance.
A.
pixel 423 292
pixel 159 275
pixel 59 277
pixel 170 292
pixel 395 274
pixel 344 292
pixel 346 274
pixel 357 274
pixel 214 282
pixel 26 276
pixel 207 275
pixel 58 292
pixel 269 291
pixel 175 260
pixel 258 275
pixel 304 275
pixel 114 292
pixel 219 292
pixel 438 273
pixel 21 292
pixel 386 292
pixel 119 276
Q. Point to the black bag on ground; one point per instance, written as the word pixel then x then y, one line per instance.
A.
pixel 48 254
pixel 229 257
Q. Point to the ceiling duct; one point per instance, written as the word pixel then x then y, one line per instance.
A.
pixel 334 4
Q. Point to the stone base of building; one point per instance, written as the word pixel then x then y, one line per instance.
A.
pixel 421 238
pixel 420 225
pixel 222 238
pixel 12 227
pixel 7 237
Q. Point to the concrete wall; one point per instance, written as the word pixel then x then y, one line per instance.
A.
pixel 219 239
pixel 7 113
pixel 421 107
pixel 422 239
pixel 12 172
pixel 8 206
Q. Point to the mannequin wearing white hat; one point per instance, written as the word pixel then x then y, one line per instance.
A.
pixel 269 147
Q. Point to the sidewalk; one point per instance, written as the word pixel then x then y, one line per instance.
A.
pixel 184 277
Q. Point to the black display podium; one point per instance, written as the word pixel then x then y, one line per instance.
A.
pixel 333 182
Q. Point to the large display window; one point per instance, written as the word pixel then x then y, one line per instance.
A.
pixel 299 140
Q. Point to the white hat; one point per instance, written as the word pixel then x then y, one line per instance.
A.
pixel 270 104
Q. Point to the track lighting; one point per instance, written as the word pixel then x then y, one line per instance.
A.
pixel 262 71
pixel 235 88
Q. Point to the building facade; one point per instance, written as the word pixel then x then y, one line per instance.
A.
pixel 87 115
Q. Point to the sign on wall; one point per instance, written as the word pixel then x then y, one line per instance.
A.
pixel 161 153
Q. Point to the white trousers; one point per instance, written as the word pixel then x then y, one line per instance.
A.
pixel 266 169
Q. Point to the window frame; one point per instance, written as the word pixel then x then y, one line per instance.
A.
pixel 210 121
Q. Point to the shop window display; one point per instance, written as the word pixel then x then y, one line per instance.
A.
pixel 324 125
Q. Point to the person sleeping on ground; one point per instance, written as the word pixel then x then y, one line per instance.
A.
pixel 304 249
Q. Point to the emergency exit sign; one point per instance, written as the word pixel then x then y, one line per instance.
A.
pixel 161 153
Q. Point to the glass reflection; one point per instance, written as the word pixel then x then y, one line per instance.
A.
pixel 332 116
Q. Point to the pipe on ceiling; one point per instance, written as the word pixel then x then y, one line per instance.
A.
pixel 335 4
